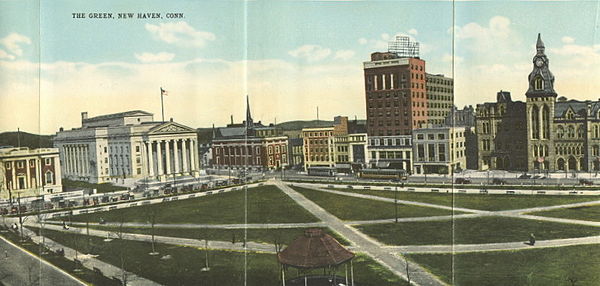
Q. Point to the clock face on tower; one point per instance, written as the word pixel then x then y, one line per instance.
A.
pixel 539 63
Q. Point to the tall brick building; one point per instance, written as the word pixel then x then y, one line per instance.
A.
pixel 395 92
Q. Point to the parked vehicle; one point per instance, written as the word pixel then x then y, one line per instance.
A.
pixel 585 182
pixel 462 181
pixel 497 181
pixel 525 176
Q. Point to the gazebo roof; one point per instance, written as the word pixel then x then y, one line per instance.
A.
pixel 314 249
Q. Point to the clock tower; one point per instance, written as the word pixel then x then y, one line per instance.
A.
pixel 541 99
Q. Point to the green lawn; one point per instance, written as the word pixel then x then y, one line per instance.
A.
pixel 583 213
pixel 349 208
pixel 227 267
pixel 101 188
pixel 548 266
pixel 266 204
pixel 479 201
pixel 281 235
pixel 473 231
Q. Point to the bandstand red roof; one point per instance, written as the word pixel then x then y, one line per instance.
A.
pixel 314 249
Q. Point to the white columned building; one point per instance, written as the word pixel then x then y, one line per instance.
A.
pixel 127 145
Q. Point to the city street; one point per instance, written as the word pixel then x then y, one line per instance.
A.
pixel 21 268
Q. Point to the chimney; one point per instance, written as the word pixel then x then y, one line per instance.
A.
pixel 84 115
pixel 232 119
pixel 171 119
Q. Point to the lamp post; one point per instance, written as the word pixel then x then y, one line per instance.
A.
pixel 396 203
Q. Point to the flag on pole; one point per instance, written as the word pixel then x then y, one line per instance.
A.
pixel 163 92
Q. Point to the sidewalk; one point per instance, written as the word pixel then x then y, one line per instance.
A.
pixel 89 262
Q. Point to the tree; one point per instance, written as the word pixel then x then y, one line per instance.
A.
pixel 152 215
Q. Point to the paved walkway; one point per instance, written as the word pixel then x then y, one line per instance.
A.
pixel 90 262
pixel 197 243
pixel 201 226
pixel 19 267
pixel 362 242
pixel 460 248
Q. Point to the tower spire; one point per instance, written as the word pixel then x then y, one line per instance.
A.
pixel 540 45
pixel 249 121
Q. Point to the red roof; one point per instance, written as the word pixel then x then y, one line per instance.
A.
pixel 314 249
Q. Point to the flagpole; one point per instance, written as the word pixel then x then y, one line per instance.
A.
pixel 162 106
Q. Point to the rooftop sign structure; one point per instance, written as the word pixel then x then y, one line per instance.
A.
pixel 403 47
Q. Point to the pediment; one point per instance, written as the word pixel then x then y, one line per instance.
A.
pixel 171 127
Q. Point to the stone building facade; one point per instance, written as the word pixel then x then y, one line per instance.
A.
pixel 127 145
pixel 440 98
pixel 559 135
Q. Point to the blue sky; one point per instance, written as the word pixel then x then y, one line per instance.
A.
pixel 290 56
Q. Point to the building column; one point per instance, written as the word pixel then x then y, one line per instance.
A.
pixel 184 157
pixel 168 157
pixel 14 176
pixel 159 158
pixel 192 156
pixel 175 157
pixel 67 149
pixel 150 153
pixel 38 172
pixel 75 161
pixel 28 180
pixel 57 171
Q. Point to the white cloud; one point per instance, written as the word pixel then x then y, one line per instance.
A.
pixel 180 34
pixel 344 54
pixel 12 43
pixel 498 27
pixel 567 40
pixel 5 55
pixel 447 58
pixel 311 53
pixel 381 43
pixel 154 58
pixel 582 55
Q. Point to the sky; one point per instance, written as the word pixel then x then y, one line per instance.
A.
pixel 288 56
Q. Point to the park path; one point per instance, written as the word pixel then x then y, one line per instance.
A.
pixel 90 262
pixel 191 242
pixel 362 243
pixel 200 226
pixel 390 200
pixel 519 213
pixel 458 248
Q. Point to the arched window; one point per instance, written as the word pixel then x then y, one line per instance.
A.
pixel 535 123
pixel 571 132
pixel 580 132
pixel 539 83
pixel 49 178
pixel 560 132
pixel 545 122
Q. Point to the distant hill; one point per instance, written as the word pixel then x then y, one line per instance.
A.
pixel 32 141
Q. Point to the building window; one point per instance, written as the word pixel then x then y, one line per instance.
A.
pixel 137 149
pixel 20 164
pixel 49 178
pixel 48 161
pixel 539 83
pixel 31 163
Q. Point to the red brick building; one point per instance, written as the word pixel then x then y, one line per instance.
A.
pixel 395 94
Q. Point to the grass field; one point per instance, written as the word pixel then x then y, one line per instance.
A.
pixel 473 231
pixel 226 267
pixel 583 213
pixel 281 235
pixel 572 265
pixel 266 204
pixel 479 201
pixel 349 208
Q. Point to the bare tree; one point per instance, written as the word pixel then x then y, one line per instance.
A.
pixel 407 270
pixel 152 215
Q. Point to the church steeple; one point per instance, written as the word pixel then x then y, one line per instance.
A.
pixel 540 45
pixel 541 80
pixel 249 121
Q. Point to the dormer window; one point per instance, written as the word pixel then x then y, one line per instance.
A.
pixel 539 83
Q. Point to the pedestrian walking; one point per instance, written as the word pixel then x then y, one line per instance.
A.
pixel 531 239
pixel 6 254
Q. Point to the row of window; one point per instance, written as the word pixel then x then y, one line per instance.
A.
pixel 21 163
